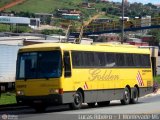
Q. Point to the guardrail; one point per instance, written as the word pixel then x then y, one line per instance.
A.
pixel 115 26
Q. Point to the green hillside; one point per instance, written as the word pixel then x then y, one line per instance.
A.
pixel 45 5
pixel 49 6
pixel 4 2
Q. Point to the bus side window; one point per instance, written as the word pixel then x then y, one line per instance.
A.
pixel 67 64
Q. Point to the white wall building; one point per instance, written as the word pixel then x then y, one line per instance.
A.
pixel 146 21
pixel 31 22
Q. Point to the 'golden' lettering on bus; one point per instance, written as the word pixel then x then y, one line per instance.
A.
pixel 97 74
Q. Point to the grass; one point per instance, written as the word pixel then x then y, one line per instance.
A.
pixel 157 78
pixel 4 28
pixel 4 2
pixel 45 5
pixel 20 29
pixel 7 98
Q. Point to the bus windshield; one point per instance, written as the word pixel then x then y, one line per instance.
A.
pixel 34 65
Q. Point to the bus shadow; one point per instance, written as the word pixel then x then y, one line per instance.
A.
pixel 66 107
pixel 54 109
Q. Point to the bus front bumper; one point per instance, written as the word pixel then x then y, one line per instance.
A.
pixel 54 99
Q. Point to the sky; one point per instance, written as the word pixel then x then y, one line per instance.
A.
pixel 142 1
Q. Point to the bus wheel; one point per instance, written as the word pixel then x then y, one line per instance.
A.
pixel 134 98
pixel 78 99
pixel 40 108
pixel 126 97
pixel 91 105
pixel 101 104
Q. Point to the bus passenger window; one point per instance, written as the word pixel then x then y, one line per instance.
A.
pixel 120 61
pixel 137 60
pixel 89 60
pixel 145 60
pixel 77 59
pixel 129 60
pixel 110 60
pixel 100 56
pixel 67 64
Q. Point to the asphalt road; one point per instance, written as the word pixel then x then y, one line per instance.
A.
pixel 148 105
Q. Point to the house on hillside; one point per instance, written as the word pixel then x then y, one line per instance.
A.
pixel 111 37
pixel 60 12
pixel 105 1
pixel 45 18
pixel 6 14
pixel 157 5
pixel 85 5
pixel 71 14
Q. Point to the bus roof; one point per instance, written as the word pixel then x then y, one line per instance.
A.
pixel 81 47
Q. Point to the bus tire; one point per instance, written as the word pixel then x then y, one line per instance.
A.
pixel 105 103
pixel 134 98
pixel 126 97
pixel 77 102
pixel 92 105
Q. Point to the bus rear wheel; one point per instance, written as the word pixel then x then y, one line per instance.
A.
pixel 77 102
pixel 134 98
pixel 126 97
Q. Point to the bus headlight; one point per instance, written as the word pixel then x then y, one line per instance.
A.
pixel 53 91
pixel 56 91
pixel 20 92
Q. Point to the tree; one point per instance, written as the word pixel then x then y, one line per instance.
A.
pixel 104 9
pixel 156 34
pixel 151 5
pixel 48 20
pixel 56 31
pixel 25 14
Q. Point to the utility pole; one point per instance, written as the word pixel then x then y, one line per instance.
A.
pixel 122 37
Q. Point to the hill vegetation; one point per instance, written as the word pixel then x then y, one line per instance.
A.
pixel 14 28
pixel 4 2
pixel 29 7
pixel 47 6
pixel 111 10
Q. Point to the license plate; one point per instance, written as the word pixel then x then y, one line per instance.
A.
pixel 37 101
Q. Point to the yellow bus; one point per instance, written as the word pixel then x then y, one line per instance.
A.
pixel 66 73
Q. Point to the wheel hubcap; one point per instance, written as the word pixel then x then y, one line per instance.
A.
pixel 77 99
pixel 135 96
pixel 126 96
